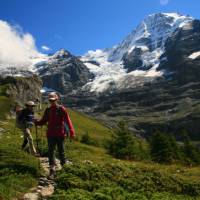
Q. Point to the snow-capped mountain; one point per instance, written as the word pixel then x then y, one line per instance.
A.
pixel 63 72
pixel 142 57
pixel 137 56
pixel 151 79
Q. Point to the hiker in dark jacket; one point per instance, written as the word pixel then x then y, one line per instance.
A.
pixel 56 117
pixel 26 121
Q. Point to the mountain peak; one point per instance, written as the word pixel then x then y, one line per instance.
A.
pixel 62 53
pixel 139 54
pixel 151 33
pixel 170 14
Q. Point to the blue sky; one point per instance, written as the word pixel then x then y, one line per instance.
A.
pixel 82 25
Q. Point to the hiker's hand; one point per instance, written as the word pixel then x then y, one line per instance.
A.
pixel 35 121
pixel 72 136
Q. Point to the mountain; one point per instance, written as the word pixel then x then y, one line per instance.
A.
pixel 138 55
pixel 150 79
pixel 63 72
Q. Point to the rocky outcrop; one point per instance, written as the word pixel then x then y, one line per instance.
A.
pixel 22 89
pixel 133 60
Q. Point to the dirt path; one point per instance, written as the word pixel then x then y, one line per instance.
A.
pixel 45 186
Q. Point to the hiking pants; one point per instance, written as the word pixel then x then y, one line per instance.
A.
pixel 25 142
pixel 28 137
pixel 52 143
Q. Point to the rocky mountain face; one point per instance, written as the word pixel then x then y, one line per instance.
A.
pixel 182 52
pixel 63 72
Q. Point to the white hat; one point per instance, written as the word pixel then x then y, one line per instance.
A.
pixel 30 103
pixel 53 96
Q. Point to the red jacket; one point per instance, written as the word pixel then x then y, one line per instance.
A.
pixel 55 117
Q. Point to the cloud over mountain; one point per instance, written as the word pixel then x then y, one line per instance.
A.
pixel 16 47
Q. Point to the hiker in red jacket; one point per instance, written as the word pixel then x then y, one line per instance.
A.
pixel 56 118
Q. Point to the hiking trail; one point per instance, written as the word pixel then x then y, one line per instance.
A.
pixel 45 186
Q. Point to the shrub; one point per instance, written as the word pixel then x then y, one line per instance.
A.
pixel 86 139
pixel 120 181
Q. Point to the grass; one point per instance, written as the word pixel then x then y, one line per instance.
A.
pixel 94 173
pixel 18 170
pixel 84 124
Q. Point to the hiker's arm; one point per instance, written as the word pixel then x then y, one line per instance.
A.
pixel 69 123
pixel 43 120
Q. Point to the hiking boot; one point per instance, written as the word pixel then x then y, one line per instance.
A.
pixel 36 154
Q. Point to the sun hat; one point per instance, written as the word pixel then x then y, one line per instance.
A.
pixel 53 96
pixel 30 103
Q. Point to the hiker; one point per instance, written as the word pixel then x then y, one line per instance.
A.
pixel 25 118
pixel 56 117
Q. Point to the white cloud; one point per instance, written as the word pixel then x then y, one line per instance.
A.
pixel 164 2
pixel 45 48
pixel 16 47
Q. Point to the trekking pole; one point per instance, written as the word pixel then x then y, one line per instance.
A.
pixel 42 141
pixel 15 127
pixel 37 145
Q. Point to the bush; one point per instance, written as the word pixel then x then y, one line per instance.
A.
pixel 121 181
pixel 86 139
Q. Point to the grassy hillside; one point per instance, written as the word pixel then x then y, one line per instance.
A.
pixel 94 174
pixel 18 170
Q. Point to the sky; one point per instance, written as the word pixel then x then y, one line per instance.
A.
pixel 76 25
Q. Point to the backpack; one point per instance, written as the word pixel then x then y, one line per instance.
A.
pixel 60 112
pixel 22 119
pixel 19 118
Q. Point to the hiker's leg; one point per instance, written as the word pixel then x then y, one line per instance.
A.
pixel 30 141
pixel 25 142
pixel 61 150
pixel 51 149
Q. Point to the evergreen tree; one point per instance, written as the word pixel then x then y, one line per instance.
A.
pixel 162 150
pixel 190 151
pixel 175 148
pixel 124 145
